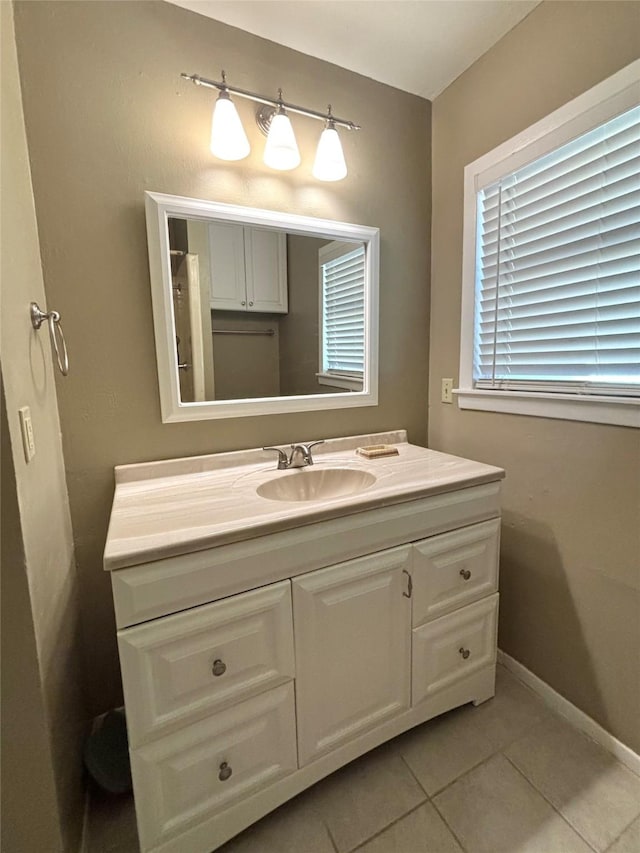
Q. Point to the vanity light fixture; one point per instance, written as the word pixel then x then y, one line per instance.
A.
pixel 229 140
pixel 281 151
pixel 329 164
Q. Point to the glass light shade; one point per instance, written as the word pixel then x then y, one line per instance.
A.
pixel 281 151
pixel 228 139
pixel 329 164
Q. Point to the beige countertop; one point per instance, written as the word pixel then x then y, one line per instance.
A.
pixel 163 509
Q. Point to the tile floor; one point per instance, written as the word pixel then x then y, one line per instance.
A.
pixel 506 776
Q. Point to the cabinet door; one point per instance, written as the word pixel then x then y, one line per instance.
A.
pixel 352 630
pixel 266 268
pixel 226 259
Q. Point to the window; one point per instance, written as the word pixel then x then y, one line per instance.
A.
pixel 342 328
pixel 552 264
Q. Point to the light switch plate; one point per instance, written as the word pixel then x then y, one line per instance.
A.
pixel 26 428
pixel 447 391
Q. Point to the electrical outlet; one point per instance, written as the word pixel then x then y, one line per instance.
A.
pixel 447 391
pixel 26 428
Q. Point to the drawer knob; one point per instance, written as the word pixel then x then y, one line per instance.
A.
pixel 465 573
pixel 225 772
pixel 464 652
pixel 219 667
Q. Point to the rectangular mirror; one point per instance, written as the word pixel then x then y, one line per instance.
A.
pixel 258 312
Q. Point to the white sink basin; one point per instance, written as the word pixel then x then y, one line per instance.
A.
pixel 315 484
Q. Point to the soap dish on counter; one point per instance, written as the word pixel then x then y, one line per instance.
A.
pixel 374 451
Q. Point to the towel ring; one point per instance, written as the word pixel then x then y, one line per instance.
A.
pixel 52 318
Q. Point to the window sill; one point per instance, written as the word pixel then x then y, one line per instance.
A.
pixel 348 382
pixel 621 411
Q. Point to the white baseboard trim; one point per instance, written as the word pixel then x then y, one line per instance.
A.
pixel 570 712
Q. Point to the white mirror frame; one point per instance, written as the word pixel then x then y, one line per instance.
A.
pixel 159 208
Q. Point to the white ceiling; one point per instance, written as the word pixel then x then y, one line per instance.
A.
pixel 417 45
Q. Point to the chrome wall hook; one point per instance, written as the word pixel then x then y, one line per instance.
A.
pixel 52 318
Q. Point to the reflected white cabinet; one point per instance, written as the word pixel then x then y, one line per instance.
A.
pixel 353 647
pixel 248 269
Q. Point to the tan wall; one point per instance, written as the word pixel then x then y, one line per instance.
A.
pixel 41 492
pixel 27 765
pixel 246 365
pixel 299 329
pixel 108 117
pixel 570 579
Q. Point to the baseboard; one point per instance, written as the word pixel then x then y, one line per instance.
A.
pixel 570 712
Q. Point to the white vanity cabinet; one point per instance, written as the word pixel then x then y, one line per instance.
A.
pixel 371 647
pixel 253 669
pixel 248 269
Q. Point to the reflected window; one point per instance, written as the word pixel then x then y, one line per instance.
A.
pixel 342 332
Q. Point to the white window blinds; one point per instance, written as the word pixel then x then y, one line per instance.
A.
pixel 343 329
pixel 558 269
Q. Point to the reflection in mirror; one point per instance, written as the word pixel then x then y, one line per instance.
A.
pixel 263 313
pixel 259 312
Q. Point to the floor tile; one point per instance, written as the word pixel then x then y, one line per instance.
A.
pixel 444 748
pixel 512 712
pixel 493 809
pixel 376 805
pixel 629 841
pixel 293 828
pixel 365 797
pixel 597 795
pixel 421 831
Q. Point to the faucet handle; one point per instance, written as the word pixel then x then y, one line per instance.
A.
pixel 308 447
pixel 283 462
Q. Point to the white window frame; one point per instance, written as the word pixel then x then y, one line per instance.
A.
pixel 613 96
pixel 346 381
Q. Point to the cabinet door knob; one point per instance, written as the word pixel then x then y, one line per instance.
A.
pixel 464 652
pixel 225 772
pixel 243 302
pixel 219 667
pixel 465 573
pixel 251 303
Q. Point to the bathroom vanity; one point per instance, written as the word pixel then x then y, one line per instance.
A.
pixel 267 641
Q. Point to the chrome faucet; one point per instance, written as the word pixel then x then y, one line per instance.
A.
pixel 300 455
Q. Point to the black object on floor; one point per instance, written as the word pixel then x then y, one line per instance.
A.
pixel 106 753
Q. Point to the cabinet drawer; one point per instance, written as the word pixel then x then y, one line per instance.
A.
pixel 448 649
pixel 181 667
pixel 454 569
pixel 193 774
